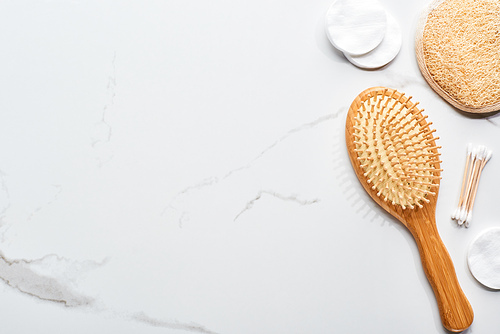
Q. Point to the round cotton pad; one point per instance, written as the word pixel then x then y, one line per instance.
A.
pixel 356 26
pixel 385 52
pixel 484 258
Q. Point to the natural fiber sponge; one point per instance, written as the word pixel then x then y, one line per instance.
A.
pixel 461 50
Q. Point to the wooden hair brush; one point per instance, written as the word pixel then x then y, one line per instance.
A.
pixel 395 157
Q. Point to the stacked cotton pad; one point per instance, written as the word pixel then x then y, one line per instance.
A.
pixel 368 36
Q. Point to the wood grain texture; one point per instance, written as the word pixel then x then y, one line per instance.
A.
pixel 455 310
pixel 419 53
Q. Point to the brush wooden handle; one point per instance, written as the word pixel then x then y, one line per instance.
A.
pixel 454 308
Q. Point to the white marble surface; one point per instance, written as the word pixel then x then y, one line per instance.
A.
pixel 179 167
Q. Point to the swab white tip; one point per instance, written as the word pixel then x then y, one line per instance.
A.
pixel 469 218
pixel 488 155
pixel 483 152
pixel 474 152
pixel 469 148
pixel 463 215
pixel 479 152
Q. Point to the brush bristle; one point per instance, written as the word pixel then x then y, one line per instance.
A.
pixel 396 149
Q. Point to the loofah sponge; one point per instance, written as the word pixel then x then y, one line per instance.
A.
pixel 458 50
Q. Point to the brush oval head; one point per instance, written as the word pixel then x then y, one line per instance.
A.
pixel 392 149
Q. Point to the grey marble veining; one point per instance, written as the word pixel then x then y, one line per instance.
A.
pixel 214 180
pixel 41 278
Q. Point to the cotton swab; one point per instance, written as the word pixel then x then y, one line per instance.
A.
pixel 477 157
pixel 487 156
pixel 456 214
